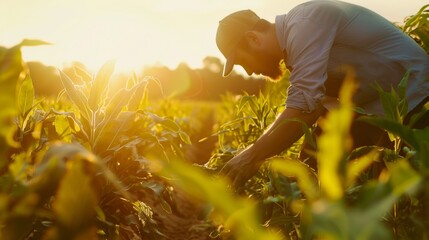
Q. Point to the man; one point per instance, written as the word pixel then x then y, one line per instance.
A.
pixel 317 40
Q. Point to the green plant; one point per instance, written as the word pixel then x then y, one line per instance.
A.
pixel 103 143
pixel 417 27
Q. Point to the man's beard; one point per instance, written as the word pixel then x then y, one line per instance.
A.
pixel 276 74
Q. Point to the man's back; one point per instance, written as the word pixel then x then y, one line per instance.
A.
pixel 321 37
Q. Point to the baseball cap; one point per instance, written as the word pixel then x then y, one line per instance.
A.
pixel 230 31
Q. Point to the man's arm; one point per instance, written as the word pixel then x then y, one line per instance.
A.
pixel 280 136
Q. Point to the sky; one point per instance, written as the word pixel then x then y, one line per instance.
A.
pixel 138 33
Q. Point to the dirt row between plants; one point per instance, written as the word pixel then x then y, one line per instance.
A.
pixel 185 223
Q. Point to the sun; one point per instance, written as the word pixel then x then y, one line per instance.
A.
pixel 96 38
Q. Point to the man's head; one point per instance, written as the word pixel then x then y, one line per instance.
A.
pixel 247 40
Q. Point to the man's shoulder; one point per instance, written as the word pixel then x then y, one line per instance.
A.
pixel 321 3
pixel 320 6
pixel 313 10
pixel 320 10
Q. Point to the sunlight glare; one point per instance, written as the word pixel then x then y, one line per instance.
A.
pixel 136 33
pixel 132 40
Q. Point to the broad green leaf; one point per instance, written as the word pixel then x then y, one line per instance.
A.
pixel 60 152
pixel 402 86
pixel 62 128
pixel 307 182
pixel 11 72
pixel 137 97
pixel 120 100
pixel 17 219
pixel 47 175
pixel 76 96
pixel 378 198
pixel 113 108
pixel 422 155
pixel 417 116
pixel 404 132
pixel 283 185
pixel 326 219
pixel 74 123
pixel 169 124
pixel 113 132
pixel 423 37
pixel 132 80
pixel 243 101
pixel 83 75
pixel 254 106
pixel 335 220
pixel 20 167
pixel 166 122
pixel 356 166
pixel 416 27
pixel 100 85
pixel 402 95
pixel 214 190
pixel 403 178
pixel 332 146
pixel 11 66
pixel 53 166
pixel 25 95
pixel 33 42
pixel 390 102
pixel 75 201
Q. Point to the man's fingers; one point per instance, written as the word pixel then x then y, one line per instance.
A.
pixel 240 178
pixel 225 170
pixel 236 173
pixel 238 182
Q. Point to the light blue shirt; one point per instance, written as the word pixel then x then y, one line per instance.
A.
pixel 320 37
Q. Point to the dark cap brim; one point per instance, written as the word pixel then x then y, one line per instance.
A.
pixel 229 65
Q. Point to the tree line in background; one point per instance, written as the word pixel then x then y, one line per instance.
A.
pixel 182 83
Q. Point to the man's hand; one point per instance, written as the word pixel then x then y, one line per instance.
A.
pixel 241 168
pixel 281 135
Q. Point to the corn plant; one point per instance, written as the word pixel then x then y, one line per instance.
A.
pixel 411 144
pixel 417 26
pixel 79 169
pixel 121 132
pixel 243 118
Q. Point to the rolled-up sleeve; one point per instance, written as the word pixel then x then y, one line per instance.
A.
pixel 302 99
pixel 309 41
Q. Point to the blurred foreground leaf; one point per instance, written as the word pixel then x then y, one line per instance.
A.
pixel 335 142
pixel 238 213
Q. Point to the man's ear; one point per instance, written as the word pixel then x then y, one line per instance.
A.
pixel 252 38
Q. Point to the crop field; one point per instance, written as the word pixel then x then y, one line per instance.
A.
pixel 100 162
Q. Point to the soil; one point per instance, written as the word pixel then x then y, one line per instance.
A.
pixel 187 222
